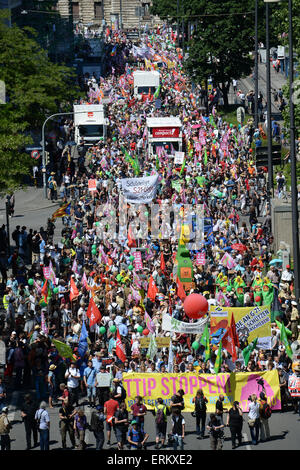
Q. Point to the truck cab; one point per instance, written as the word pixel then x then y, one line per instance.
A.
pixel 145 81
pixel 90 123
pixel 166 133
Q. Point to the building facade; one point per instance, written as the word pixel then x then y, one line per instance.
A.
pixel 129 14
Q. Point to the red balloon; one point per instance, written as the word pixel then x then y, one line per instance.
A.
pixel 195 306
pixel 258 298
pixel 146 332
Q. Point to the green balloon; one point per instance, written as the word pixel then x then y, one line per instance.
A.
pixel 102 330
pixel 112 328
pixel 131 257
pixel 146 213
pixel 140 329
pixel 97 224
pixel 30 282
pixel 114 139
pixel 56 290
pixel 94 252
pixel 130 267
pixel 228 289
pixel 43 304
pixel 94 247
pixel 195 345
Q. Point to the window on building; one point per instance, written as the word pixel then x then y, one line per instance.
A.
pixel 75 10
pixel 98 10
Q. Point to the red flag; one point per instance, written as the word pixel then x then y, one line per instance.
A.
pixel 44 291
pixel 74 292
pixel 120 348
pixel 234 332
pixel 228 343
pixel 131 242
pixel 162 262
pixel 180 289
pixel 93 313
pixel 152 289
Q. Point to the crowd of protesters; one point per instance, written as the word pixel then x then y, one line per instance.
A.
pixel 220 175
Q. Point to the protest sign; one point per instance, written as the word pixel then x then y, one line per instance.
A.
pixel 236 386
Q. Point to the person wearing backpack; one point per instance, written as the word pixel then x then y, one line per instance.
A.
pixel 43 424
pixel 121 425
pixel 5 427
pixel 200 412
pixel 119 391
pixel 264 414
pixel 161 417
pixel 97 426
pixel 178 429
pixel 136 438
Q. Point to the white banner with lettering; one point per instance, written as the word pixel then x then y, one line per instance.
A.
pixel 175 326
pixel 139 190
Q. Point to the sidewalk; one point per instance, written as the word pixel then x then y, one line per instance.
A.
pixel 278 80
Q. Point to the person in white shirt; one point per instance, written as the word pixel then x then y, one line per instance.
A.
pixel 73 376
pixel 253 418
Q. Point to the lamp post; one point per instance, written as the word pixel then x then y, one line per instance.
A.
pixel 269 103
pixel 293 157
pixel 256 68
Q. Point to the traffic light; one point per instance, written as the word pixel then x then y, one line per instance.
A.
pixel 262 156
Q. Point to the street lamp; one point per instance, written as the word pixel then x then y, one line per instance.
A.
pixel 256 68
pixel 293 157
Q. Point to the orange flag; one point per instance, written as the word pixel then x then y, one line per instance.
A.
pixel 74 292
pixel 93 313
pixel 180 289
pixel 44 291
pixel 131 242
pixel 152 289
pixel 162 262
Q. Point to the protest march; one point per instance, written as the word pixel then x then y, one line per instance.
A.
pixel 154 287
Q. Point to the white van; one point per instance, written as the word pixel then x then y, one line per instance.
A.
pixel 165 132
pixel 143 81
pixel 90 123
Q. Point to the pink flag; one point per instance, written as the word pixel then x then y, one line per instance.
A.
pixel 149 323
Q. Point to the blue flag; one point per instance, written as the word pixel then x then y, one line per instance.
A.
pixel 83 344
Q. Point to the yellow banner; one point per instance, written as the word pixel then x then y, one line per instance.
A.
pixel 151 386
pixel 251 323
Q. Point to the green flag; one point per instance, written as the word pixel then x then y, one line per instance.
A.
pixel 205 342
pixel 248 350
pixel 205 157
pixel 156 94
pixel 284 340
pixel 63 349
pixel 218 359
pixel 176 185
pixel 288 332
pixel 152 348
pixel 182 167
pixel 157 163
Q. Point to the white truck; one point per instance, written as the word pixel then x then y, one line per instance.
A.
pixel 90 123
pixel 143 81
pixel 164 132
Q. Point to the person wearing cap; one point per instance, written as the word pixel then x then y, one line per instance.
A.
pixel 28 411
pixel 287 275
pixel 235 423
pixel 51 384
pixel 136 437
pixel 5 427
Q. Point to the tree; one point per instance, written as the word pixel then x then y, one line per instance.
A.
pixel 35 88
pixel 222 43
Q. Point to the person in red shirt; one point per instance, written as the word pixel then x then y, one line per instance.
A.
pixel 110 407
pixel 139 411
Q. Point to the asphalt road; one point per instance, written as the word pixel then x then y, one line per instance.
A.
pixel 284 429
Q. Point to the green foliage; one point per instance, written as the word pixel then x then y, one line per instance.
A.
pixel 220 47
pixel 35 88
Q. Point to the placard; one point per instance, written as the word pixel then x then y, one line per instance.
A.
pixel 161 341
pixel 92 185
pixel 200 259
pixel 178 158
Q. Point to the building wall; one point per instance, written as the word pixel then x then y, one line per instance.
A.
pixel 112 10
